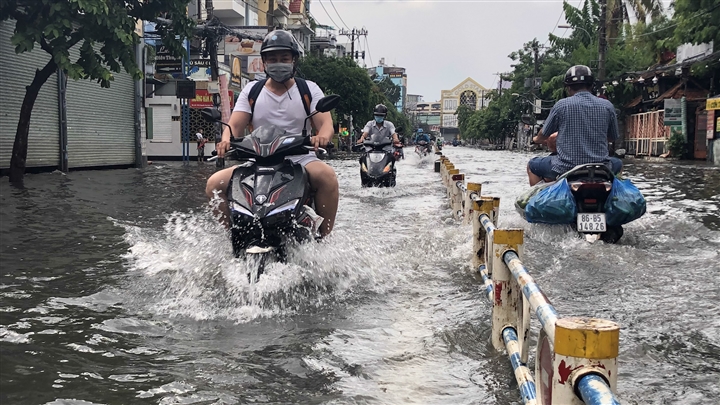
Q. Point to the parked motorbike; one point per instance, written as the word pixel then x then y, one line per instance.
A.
pixel 269 197
pixel 377 163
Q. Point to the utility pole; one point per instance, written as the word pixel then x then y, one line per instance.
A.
pixel 535 69
pixel 501 82
pixel 271 15
pixel 602 40
pixel 354 33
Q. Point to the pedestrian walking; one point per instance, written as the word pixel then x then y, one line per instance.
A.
pixel 201 145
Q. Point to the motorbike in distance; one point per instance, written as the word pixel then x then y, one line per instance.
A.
pixel 269 197
pixel 422 148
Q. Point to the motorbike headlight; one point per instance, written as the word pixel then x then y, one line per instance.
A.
pixel 363 167
pixel 387 168
pixel 285 207
pixel 239 208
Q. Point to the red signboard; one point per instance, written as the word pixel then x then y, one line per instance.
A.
pixel 204 99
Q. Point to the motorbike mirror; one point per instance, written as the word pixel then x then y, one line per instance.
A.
pixel 211 114
pixel 327 103
pixel 528 119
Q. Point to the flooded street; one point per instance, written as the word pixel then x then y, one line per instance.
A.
pixel 118 287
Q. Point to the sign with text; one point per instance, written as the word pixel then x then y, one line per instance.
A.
pixel 204 98
pixel 166 62
pixel 673 112
pixel 713 104
pixel 709 127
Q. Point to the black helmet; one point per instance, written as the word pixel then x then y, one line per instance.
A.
pixel 579 74
pixel 380 110
pixel 280 40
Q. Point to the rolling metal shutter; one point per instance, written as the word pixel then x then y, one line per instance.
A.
pixel 16 72
pixel 162 123
pixel 101 121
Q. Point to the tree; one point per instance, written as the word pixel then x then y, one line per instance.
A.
pixel 359 95
pixel 391 91
pixel 105 32
pixel 697 21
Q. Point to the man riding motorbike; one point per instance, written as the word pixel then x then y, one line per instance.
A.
pixel 423 140
pixel 280 103
pixel 581 126
pixel 380 125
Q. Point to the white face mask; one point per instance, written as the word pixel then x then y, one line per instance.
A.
pixel 280 72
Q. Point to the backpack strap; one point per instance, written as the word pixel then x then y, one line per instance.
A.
pixel 304 93
pixel 254 93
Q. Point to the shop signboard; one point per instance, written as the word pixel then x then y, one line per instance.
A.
pixel 673 112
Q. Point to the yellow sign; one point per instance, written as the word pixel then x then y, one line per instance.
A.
pixel 713 104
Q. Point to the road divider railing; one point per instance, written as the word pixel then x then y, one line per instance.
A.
pixel 576 358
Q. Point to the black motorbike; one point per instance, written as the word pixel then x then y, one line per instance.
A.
pixel 590 184
pixel 377 162
pixel 269 197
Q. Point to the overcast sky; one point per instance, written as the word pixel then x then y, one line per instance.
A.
pixel 441 42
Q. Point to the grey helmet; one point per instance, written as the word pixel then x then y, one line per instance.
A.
pixel 579 74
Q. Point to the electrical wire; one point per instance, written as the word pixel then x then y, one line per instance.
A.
pixel 336 12
pixel 328 14
pixel 367 47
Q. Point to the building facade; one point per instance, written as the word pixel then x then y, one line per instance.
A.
pixel 74 123
pixel 469 93
pixel 397 75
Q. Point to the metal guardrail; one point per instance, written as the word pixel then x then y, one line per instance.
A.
pixel 576 358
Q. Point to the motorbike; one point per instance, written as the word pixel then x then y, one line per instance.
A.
pixel 589 186
pixel 422 148
pixel 269 197
pixel 377 162
pixel 438 146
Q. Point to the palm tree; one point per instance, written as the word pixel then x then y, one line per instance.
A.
pixel 618 13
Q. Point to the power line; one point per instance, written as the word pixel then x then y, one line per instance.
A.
pixel 367 46
pixel 328 14
pixel 336 12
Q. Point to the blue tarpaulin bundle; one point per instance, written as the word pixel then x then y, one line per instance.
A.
pixel 552 205
pixel 624 204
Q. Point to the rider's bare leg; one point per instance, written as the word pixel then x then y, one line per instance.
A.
pixel 217 185
pixel 534 178
pixel 325 185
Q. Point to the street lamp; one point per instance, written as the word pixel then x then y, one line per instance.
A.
pixel 579 28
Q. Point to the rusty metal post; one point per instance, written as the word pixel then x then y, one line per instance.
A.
pixel 457 184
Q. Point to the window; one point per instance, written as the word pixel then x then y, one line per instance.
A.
pixel 451 104
pixel 449 120
pixel 468 98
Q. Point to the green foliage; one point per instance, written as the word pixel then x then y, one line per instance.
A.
pixel 358 93
pixel 676 144
pixel 494 123
pixel 105 30
pixel 697 21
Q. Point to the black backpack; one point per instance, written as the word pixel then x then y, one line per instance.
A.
pixel 302 87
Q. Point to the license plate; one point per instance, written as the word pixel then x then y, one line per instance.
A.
pixel 591 223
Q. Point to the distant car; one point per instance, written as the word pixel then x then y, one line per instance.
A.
pixel 455 142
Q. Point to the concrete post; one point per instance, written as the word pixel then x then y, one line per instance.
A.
pixel 473 189
pixel 584 349
pixel 457 195
pixel 508 297
pixel 449 186
pixel 481 205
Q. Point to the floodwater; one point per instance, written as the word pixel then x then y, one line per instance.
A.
pixel 117 287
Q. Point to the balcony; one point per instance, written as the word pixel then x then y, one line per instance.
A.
pixel 231 12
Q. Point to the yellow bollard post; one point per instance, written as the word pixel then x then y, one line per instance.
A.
pixel 582 346
pixel 508 295
pixel 496 209
pixel 473 189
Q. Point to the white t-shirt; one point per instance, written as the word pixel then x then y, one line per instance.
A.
pixel 286 112
pixel 385 124
pixel 199 136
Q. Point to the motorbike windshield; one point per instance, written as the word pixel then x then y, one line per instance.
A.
pixel 267 134
pixel 379 139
